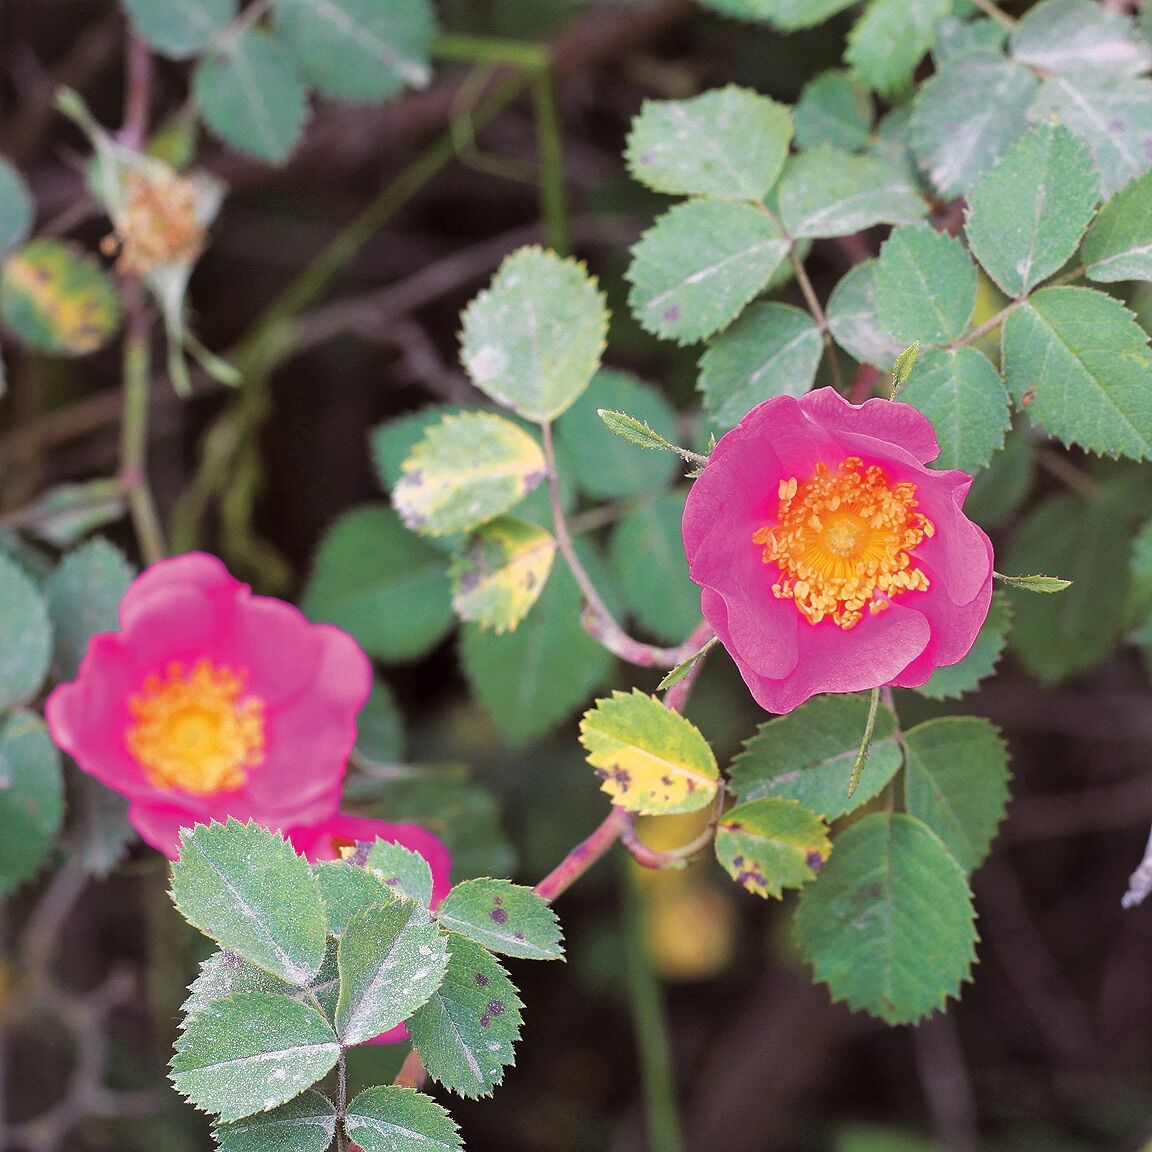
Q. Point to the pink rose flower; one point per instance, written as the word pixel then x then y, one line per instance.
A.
pixel 211 702
pixel 324 842
pixel 830 559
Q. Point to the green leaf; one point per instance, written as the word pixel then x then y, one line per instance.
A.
pixel 1118 245
pixel 380 726
pixel 680 672
pixel 31 798
pixel 347 889
pixel 466 470
pixel 225 974
pixel 17 210
pixel 729 143
pixel 1111 114
pixel 1043 584
pixel 1027 215
pixel 65 513
pixel 769 845
pixel 388 1118
pixel 503 917
pixel 638 433
pixel 98 834
pixel 826 192
pixel 808 756
pixel 964 397
pixel 889 926
pixel 1086 540
pixel 386 587
pixel 902 369
pixel 854 319
pixel 650 759
pixel 306 1124
pixel 532 341
pixel 956 38
pixel 697 267
pixel 530 679
pixel 606 467
pixel 250 1053
pixel 785 14
pixel 999 490
pixel 1084 362
pixel 951 682
pixel 925 286
pixel 25 636
pixel 466 1034
pixel 501 572
pixel 891 38
pixel 967 116
pixel 251 96
pixel 833 109
pixel 646 550
pixel 83 597
pixel 246 888
pixel 403 871
pixel 180 30
pixel 956 781
pixel 56 298
pixel 1067 35
pixel 358 49
pixel 772 350
pixel 391 960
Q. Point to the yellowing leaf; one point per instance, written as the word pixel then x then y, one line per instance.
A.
pixel 466 470
pixel 651 760
pixel 501 573
pixel 773 844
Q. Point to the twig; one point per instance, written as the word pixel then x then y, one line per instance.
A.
pixel 946 1084
pixel 814 306
pixel 1064 470
pixel 137 93
pixel 583 856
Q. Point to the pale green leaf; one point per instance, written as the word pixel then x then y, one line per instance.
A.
pixel 358 49
pixel 57 299
pixel 66 513
pixel 786 14
pixel 385 586
pixel 967 116
pixel 1118 245
pixel 925 286
pixel 854 319
pixel 1084 362
pixel 83 597
pixel 16 208
pixel 891 38
pixel 772 350
pixel 902 369
pixel 306 1124
pixel 388 1118
pixel 1045 585
pixel 225 974
pixel 833 109
pixel 402 870
pixel 1112 114
pixel 956 38
pixel 503 917
pixel 251 96
pixel 827 192
pixel 180 28
pixel 808 755
pixel 681 671
pixel 1027 215
pixel 646 551
pixel 25 636
pixel 650 759
pixel 532 341
pixel 952 681
pixel 964 397
pixel 466 1034
pixel 956 781
pixel 772 844
pixel 391 960
pixel 889 925
pixel 699 265
pixel 729 143
pixel 605 466
pixel 1066 35
pixel 252 1052
pixel 230 882
pixel 464 471
pixel 31 797
pixel 347 889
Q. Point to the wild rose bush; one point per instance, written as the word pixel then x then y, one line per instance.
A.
pixel 889 318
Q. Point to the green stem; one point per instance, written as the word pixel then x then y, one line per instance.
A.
pixel 491 50
pixel 650 1026
pixel 553 206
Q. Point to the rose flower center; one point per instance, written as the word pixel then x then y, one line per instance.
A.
pixel 843 541
pixel 196 731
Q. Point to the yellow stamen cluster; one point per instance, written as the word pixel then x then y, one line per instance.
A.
pixel 196 731
pixel 843 542
pixel 158 225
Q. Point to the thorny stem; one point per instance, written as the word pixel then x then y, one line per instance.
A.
pixel 341 1099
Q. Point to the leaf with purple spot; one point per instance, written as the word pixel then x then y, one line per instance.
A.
pixel 503 917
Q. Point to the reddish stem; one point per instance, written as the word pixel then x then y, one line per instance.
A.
pixel 584 855
pixel 137 94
